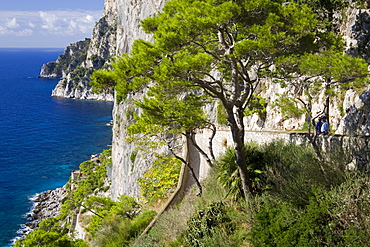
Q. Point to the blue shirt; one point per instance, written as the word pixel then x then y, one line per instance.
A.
pixel 324 127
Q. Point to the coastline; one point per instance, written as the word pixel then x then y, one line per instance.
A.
pixel 46 204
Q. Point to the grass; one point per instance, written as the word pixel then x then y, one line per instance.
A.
pixel 170 227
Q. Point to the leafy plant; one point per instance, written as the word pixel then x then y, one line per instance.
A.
pixel 203 225
pixel 43 238
pixel 160 178
pixel 228 174
pixel 336 217
pixel 290 107
pixel 116 223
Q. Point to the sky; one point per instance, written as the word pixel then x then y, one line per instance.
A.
pixel 47 23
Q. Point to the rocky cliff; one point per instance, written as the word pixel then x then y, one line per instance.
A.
pixel 73 56
pixel 79 59
pixel 128 163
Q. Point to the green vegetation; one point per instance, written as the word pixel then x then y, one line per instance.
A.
pixel 42 238
pixel 78 73
pixel 203 225
pixel 296 205
pixel 67 62
pixel 116 223
pixel 160 178
pixel 335 217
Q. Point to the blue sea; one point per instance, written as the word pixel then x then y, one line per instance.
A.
pixel 42 138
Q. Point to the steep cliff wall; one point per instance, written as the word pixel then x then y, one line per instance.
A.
pixel 79 60
pixel 128 164
pixel 130 13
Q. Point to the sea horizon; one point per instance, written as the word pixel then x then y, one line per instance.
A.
pixel 42 138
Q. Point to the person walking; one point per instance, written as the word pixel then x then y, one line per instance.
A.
pixel 318 126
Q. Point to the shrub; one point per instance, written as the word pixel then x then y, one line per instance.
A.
pixel 336 217
pixel 285 170
pixel 43 238
pixel 87 167
pixel 203 225
pixel 228 173
pixel 294 169
pixel 119 231
pixel 160 178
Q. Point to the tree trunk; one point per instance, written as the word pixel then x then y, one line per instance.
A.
pixel 238 140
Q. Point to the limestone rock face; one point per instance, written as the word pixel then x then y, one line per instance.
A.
pixel 47 204
pixel 357 32
pixel 72 57
pixel 79 60
pixel 49 70
pixel 127 164
pixel 130 13
pixel 80 89
pixel 357 118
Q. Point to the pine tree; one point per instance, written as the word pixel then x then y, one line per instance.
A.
pixel 217 49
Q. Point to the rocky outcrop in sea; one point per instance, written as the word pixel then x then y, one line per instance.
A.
pixel 73 56
pixel 80 59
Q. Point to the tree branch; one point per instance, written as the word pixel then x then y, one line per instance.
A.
pixel 191 135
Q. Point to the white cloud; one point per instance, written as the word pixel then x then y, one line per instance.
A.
pixel 12 23
pixel 81 25
pixel 3 30
pixel 31 25
pixel 89 19
pixel 24 32
pixel 51 25
pixel 67 23
pixel 49 21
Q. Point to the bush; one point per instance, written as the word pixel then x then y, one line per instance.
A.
pixel 87 167
pixel 336 217
pixel 228 173
pixel 160 178
pixel 285 170
pixel 119 231
pixel 117 222
pixel 293 170
pixel 204 224
pixel 43 238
